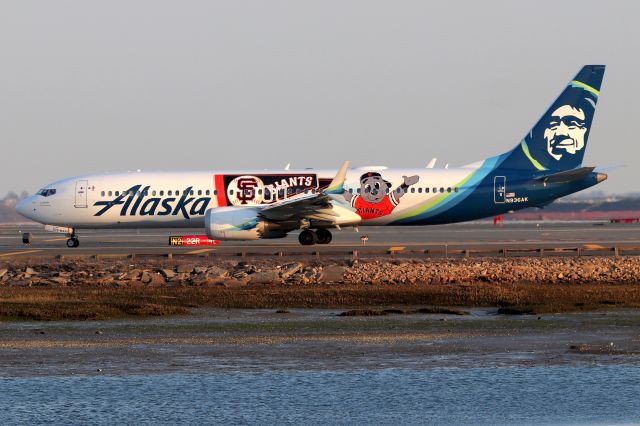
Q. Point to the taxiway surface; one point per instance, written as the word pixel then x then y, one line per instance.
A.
pixel 471 236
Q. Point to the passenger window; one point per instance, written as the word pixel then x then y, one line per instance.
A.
pixel 455 189
pixel 110 193
pixel 350 190
pixel 413 190
pixel 199 191
pixel 191 192
pixel 420 190
pixel 177 192
pixel 153 193
pixel 441 189
pixel 207 192
pixel 231 192
pixel 169 192
pixel 117 193
pixel 215 192
pixel 161 193
pixel 435 190
pixel 102 194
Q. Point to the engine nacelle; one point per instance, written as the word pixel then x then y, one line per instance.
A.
pixel 239 223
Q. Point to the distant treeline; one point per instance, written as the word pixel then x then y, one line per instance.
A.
pixel 8 212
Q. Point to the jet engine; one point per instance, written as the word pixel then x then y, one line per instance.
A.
pixel 239 223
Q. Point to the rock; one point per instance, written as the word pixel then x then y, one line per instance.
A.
pixel 199 269
pixel 185 269
pixel 588 269
pixel 333 273
pixel 289 269
pixel 145 277
pixel 59 280
pixel 216 273
pixel 135 275
pixel 181 277
pixel 204 280
pixel 167 273
pixel 3 272
pixel 265 277
pixel 30 271
pixel 239 275
pixel 156 279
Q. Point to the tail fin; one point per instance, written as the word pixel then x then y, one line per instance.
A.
pixel 559 139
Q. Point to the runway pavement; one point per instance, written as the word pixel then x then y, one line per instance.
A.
pixel 449 239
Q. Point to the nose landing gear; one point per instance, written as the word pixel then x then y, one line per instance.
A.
pixel 309 237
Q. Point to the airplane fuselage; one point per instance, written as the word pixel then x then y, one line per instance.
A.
pixel 181 199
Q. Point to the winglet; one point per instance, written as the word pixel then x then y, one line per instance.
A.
pixel 336 185
pixel 432 163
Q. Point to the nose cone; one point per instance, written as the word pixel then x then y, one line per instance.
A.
pixel 24 207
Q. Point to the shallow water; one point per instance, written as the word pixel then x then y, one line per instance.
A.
pixel 310 366
pixel 511 395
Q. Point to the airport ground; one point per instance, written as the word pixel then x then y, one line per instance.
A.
pixel 481 237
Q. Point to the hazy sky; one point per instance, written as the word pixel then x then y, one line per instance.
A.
pixel 93 86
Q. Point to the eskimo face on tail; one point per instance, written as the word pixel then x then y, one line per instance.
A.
pixel 566 131
pixel 559 139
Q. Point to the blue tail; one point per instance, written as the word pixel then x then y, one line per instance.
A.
pixel 559 139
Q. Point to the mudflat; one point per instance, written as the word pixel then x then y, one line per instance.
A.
pixel 213 340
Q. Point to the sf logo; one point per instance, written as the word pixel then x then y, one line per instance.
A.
pixel 245 190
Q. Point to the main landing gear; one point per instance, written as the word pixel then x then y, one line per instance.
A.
pixel 73 241
pixel 308 237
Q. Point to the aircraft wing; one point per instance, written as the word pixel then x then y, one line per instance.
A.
pixel 566 176
pixel 322 206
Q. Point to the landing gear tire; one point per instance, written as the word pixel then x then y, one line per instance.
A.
pixel 73 242
pixel 323 236
pixel 307 238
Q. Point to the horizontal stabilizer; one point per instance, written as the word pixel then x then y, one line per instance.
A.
pixel 566 176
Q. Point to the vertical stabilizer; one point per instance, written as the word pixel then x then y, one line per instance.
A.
pixel 559 139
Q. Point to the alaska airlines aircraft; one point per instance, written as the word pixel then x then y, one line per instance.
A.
pixel 249 205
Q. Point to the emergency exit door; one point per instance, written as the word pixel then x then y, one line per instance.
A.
pixel 81 194
pixel 499 189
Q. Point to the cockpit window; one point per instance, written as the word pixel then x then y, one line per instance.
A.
pixel 46 192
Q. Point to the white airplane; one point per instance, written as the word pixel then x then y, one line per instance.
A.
pixel 250 205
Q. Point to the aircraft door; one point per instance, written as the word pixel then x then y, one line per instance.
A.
pixel 499 189
pixel 81 194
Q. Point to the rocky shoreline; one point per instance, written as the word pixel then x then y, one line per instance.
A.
pixel 227 273
pixel 82 289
